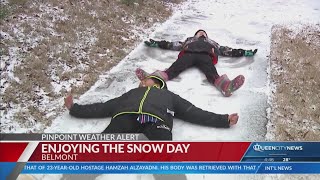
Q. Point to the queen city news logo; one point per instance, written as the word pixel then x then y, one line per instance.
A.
pixel 259 148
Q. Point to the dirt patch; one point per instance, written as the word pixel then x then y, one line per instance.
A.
pixel 295 79
pixel 50 48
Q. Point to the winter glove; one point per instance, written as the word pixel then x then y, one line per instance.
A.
pixel 152 43
pixel 242 52
pixel 250 52
pixel 161 44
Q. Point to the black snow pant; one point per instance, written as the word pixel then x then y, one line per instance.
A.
pixel 127 123
pixel 201 61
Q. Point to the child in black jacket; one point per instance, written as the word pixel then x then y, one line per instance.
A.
pixel 149 109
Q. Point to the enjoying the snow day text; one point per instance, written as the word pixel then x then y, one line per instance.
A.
pixel 72 151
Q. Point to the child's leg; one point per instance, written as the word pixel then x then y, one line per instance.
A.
pixel 222 83
pixel 173 71
pixel 181 64
pixel 142 74
pixel 204 63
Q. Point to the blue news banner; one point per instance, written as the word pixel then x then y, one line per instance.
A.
pixel 172 168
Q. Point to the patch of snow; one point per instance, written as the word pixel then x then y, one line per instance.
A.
pixel 56 13
pixel 30 39
pixel 93 13
pixel 7 66
pixel 127 20
pixel 4 2
pixel 124 38
pixel 102 55
pixel 14 126
pixel 4 35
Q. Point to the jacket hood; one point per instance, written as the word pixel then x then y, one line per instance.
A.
pixel 163 84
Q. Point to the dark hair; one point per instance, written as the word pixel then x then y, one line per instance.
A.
pixel 159 81
pixel 201 30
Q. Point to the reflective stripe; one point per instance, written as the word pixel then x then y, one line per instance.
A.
pixel 138 113
pixel 156 77
pixel 140 108
pixel 120 113
pixel 143 99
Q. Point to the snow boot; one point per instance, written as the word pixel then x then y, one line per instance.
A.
pixel 227 87
pixel 142 74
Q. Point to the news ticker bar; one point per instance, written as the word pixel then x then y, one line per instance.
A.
pixel 156 151
pixel 74 137
pixel 170 168
pixel 238 157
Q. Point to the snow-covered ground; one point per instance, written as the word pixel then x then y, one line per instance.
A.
pixel 239 24
pixel 51 47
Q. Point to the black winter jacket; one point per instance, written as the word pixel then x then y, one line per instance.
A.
pixel 159 103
